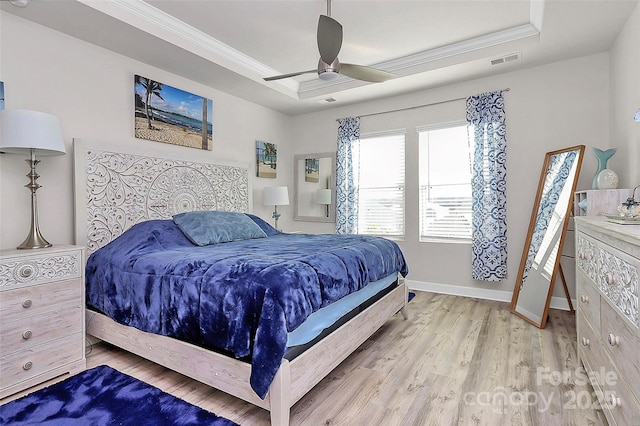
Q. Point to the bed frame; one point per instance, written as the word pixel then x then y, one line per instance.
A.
pixel 119 187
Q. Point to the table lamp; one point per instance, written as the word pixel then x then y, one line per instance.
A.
pixel 275 196
pixel 29 133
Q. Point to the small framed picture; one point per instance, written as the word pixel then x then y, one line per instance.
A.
pixel 311 170
pixel 266 159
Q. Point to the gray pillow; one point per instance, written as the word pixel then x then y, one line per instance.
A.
pixel 212 227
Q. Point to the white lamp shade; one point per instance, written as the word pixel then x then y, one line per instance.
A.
pixel 22 130
pixel 275 196
pixel 323 196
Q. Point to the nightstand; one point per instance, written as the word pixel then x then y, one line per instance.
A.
pixel 42 332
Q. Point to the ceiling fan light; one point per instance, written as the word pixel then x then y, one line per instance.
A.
pixel 327 75
pixel 328 72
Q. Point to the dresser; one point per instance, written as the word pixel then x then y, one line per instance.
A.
pixel 608 324
pixel 41 316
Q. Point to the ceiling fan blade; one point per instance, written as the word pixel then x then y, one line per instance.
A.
pixel 293 74
pixel 329 38
pixel 360 72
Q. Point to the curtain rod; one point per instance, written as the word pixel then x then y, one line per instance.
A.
pixel 418 106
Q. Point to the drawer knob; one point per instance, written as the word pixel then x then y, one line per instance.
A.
pixel 584 299
pixel 27 365
pixel 615 401
pixel 27 335
pixel 611 279
pixel 26 272
pixel 27 303
pixel 585 341
pixel 614 340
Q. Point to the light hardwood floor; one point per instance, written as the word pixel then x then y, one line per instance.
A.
pixel 456 361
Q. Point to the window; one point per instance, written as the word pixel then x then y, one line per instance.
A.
pixel 381 185
pixel 445 183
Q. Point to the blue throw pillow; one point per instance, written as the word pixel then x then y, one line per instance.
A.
pixel 213 227
pixel 268 229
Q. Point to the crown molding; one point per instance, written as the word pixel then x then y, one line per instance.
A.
pixel 154 21
pixel 437 54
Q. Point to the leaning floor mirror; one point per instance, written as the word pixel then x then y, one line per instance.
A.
pixel 540 262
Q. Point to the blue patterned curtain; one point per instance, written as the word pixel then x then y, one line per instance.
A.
pixel 346 177
pixel 486 124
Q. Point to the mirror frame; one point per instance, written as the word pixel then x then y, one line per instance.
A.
pixel 527 243
pixel 332 185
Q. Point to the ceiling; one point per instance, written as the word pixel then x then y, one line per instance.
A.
pixel 233 45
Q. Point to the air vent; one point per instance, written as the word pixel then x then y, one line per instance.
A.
pixel 506 58
pixel 326 100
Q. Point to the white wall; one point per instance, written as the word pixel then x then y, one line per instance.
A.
pixel 91 90
pixel 625 100
pixel 548 108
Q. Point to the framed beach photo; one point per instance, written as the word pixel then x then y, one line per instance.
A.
pixel 312 170
pixel 166 114
pixel 266 159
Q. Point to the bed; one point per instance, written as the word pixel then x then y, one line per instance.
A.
pixel 154 207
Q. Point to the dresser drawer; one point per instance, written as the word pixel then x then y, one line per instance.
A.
pixel 618 399
pixel 590 350
pixel 622 344
pixel 589 301
pixel 23 365
pixel 618 280
pixel 613 393
pixel 29 267
pixel 38 299
pixel 37 330
pixel 586 256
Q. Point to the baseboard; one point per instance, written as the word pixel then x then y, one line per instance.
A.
pixel 480 293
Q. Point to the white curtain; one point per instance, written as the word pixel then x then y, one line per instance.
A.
pixel 486 124
pixel 347 176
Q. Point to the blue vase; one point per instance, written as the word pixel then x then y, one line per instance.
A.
pixel 603 157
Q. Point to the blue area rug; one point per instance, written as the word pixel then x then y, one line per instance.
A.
pixel 104 396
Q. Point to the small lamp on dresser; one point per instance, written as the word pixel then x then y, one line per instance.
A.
pixel 275 196
pixel 29 133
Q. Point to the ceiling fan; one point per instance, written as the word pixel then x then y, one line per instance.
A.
pixel 329 44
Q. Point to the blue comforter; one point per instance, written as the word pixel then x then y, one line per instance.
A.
pixel 242 297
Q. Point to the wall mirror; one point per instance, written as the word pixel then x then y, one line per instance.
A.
pixel 314 187
pixel 545 237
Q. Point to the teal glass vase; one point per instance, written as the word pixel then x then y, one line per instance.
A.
pixel 603 157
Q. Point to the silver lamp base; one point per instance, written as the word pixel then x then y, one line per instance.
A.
pixel 276 216
pixel 34 240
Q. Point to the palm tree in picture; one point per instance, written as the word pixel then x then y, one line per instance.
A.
pixel 151 88
pixel 205 144
pixel 270 152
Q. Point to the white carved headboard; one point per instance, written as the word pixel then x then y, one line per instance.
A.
pixel 117 188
